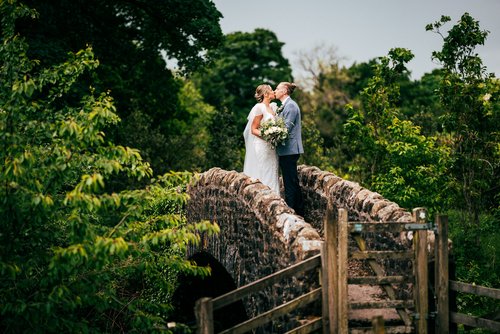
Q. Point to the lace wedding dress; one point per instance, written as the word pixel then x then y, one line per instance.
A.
pixel 261 160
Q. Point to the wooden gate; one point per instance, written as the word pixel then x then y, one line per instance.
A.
pixel 413 312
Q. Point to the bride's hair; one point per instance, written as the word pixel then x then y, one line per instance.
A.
pixel 260 91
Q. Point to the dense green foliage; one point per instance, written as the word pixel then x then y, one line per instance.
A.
pixel 244 61
pixel 74 256
pixel 469 98
pixel 131 39
pixel 401 163
pixel 476 263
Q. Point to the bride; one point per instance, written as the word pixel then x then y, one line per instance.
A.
pixel 261 160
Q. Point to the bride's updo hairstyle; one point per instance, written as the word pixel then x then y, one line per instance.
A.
pixel 260 91
pixel 290 87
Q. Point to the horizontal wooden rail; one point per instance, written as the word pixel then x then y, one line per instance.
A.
pixel 469 320
pixel 382 304
pixel 369 227
pixel 381 255
pixel 235 295
pixel 372 280
pixel 310 327
pixel 475 289
pixel 387 330
pixel 277 312
pixel 476 322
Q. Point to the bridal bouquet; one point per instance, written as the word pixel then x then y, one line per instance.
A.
pixel 274 131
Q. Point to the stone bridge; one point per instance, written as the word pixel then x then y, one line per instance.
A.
pixel 260 234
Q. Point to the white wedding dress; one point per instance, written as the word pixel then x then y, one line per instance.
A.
pixel 261 160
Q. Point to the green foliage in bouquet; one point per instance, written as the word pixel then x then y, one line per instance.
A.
pixel 74 256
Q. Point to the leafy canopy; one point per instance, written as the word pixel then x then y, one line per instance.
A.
pixel 405 166
pixel 469 97
pixel 132 40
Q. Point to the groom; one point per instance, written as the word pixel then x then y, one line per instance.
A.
pixel 291 150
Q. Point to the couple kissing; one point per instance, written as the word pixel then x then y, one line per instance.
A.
pixel 264 160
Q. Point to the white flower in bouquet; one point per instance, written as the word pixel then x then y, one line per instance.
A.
pixel 274 106
pixel 274 131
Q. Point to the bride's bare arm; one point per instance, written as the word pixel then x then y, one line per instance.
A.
pixel 256 125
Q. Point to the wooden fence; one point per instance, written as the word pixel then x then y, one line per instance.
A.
pixel 472 321
pixel 444 316
pixel 332 267
pixel 205 306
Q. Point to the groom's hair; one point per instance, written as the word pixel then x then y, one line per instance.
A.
pixel 290 87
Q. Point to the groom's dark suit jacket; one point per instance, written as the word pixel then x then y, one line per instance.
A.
pixel 291 115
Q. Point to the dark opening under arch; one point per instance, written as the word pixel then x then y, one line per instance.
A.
pixel 218 283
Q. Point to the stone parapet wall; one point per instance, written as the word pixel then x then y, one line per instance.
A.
pixel 319 187
pixel 259 233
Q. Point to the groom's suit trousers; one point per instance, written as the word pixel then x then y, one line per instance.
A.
pixel 293 194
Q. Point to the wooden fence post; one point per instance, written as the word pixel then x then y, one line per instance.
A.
pixel 330 264
pixel 421 292
pixel 326 300
pixel 203 311
pixel 442 276
pixel 378 324
pixel 342 276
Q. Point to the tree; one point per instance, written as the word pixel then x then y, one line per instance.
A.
pixel 76 257
pixel 470 101
pixel 327 95
pixel 403 165
pixel 244 61
pixel 418 99
pixel 469 97
pixel 323 107
pixel 224 147
pixel 420 102
pixel 360 74
pixel 131 39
